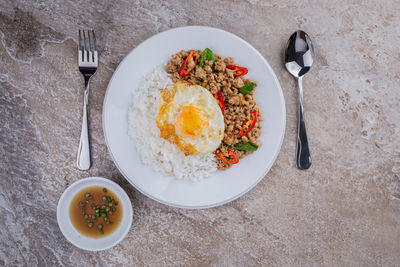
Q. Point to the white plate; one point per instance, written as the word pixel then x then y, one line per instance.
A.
pixel 84 242
pixel 222 186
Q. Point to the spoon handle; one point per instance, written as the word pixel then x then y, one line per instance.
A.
pixel 303 157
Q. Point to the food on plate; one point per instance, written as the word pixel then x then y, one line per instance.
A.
pixel 189 117
pixel 154 150
pixel 95 212
pixel 196 115
pixel 234 93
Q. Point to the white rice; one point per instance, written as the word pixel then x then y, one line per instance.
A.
pixel 155 151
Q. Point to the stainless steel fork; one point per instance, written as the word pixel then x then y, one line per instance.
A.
pixel 87 62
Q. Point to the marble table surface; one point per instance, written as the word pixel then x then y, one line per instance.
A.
pixel 344 211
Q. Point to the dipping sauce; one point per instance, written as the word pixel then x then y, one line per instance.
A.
pixel 95 212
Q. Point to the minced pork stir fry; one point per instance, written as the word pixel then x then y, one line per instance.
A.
pixel 235 95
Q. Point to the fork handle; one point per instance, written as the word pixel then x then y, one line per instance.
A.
pixel 83 160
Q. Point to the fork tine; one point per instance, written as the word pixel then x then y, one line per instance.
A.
pixel 80 54
pixel 90 47
pixel 85 51
pixel 84 39
pixel 80 40
pixel 95 56
pixel 90 41
pixel 94 41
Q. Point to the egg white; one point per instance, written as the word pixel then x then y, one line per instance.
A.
pixel 171 102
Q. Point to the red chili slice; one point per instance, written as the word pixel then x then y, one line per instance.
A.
pixel 220 99
pixel 182 70
pixel 252 122
pixel 224 157
pixel 237 70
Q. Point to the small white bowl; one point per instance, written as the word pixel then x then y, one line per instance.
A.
pixel 82 241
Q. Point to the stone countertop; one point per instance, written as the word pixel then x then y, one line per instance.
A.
pixel 345 210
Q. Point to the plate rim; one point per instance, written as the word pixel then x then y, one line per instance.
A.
pixel 224 201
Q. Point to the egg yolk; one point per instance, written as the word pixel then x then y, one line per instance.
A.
pixel 191 121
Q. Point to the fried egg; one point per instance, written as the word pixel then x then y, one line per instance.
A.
pixel 190 117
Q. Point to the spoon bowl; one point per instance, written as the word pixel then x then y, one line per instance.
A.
pixel 299 54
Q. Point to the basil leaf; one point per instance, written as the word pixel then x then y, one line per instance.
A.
pixel 247 88
pixel 199 79
pixel 245 146
pixel 207 54
pixel 228 146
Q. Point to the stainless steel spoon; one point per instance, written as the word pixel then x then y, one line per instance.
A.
pixel 298 60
